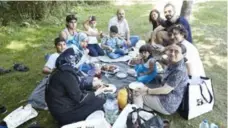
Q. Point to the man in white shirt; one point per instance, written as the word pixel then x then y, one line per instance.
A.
pixel 60 46
pixel 123 28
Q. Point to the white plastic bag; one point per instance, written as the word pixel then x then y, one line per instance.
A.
pixel 20 115
pixel 94 120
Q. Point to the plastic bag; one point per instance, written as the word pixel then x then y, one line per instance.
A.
pixel 20 115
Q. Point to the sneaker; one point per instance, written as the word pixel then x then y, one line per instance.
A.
pixel 3 109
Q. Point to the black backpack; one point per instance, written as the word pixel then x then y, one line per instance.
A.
pixel 154 122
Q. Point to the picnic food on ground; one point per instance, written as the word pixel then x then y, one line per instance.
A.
pixel 108 68
pixel 109 88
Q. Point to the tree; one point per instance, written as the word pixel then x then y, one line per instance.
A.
pixel 186 8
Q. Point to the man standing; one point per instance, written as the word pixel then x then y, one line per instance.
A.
pixel 123 28
pixel 160 35
pixel 60 46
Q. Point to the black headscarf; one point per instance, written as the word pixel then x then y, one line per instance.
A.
pixel 69 57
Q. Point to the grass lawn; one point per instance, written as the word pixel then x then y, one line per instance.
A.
pixel 29 45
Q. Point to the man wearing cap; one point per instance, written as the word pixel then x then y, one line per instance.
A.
pixel 92 32
pixel 123 27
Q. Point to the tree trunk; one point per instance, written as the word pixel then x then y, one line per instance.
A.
pixel 186 8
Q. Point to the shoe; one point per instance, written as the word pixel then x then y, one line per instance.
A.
pixel 3 109
pixel 20 67
pixel 166 123
pixel 3 71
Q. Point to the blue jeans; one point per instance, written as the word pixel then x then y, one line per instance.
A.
pixel 140 68
pixel 134 39
pixel 116 54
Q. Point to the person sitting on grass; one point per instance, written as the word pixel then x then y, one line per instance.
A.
pixel 70 32
pixel 178 34
pixel 147 70
pixel 113 46
pixel 160 35
pixel 60 46
pixel 155 19
pixel 67 95
pixel 167 98
pixel 123 28
pixel 92 32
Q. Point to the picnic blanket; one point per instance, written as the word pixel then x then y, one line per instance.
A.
pixel 119 83
pixel 109 60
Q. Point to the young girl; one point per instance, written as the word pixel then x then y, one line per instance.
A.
pixel 92 32
pixel 147 70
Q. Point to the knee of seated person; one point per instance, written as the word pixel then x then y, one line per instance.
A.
pixel 101 53
pixel 143 79
pixel 113 56
pixel 160 36
pixel 93 53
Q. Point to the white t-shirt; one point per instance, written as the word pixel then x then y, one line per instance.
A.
pixel 193 57
pixel 51 61
pixel 92 39
pixel 122 26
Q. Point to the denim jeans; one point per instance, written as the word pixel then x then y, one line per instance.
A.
pixel 134 39
pixel 116 54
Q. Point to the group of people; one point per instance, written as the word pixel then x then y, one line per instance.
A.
pixel 71 96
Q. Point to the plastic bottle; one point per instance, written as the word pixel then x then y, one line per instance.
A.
pixel 111 108
pixel 213 125
pixel 204 124
pixel 97 70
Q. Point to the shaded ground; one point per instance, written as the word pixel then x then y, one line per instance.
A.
pixel 28 45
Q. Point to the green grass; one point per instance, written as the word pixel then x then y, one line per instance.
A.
pixel 29 45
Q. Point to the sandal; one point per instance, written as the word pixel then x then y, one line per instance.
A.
pixel 20 67
pixel 3 109
pixel 3 71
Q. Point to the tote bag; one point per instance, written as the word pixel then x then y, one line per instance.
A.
pixel 198 98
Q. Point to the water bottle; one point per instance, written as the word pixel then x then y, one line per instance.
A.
pixel 98 70
pixel 213 125
pixel 111 108
pixel 204 124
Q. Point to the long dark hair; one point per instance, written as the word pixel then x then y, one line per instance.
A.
pixel 154 22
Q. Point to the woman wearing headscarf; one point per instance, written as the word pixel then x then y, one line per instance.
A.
pixel 66 93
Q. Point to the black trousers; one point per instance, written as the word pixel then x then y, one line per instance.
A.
pixel 79 114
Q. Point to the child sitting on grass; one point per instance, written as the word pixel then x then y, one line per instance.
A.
pixel 146 70
pixel 113 46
